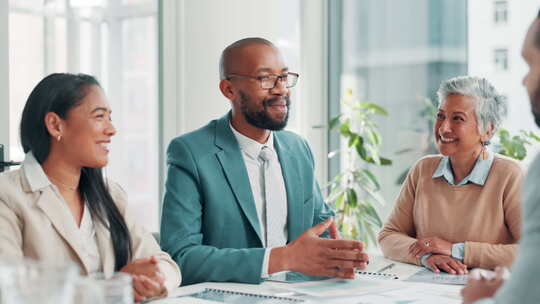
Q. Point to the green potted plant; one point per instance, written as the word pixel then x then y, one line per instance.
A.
pixel 514 146
pixel 354 191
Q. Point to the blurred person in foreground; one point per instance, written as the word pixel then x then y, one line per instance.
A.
pixel 522 287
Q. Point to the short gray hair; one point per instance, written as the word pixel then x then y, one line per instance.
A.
pixel 490 106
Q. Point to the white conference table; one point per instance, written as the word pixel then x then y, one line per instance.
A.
pixel 399 292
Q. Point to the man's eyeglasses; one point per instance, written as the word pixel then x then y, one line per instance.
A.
pixel 269 81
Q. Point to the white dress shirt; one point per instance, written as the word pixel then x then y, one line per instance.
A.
pixel 87 237
pixel 250 153
pixel 87 232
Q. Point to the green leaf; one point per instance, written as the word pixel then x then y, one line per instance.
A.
pixel 372 137
pixel 374 154
pixel 385 161
pixel 339 201
pixel 369 219
pixel 375 195
pixel 372 178
pixel 352 198
pixel 334 121
pixel 361 152
pixel 353 140
pixel 531 134
pixel 373 213
pixel 406 150
pixel 376 109
pixel 345 129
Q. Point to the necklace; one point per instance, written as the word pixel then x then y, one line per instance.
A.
pixel 64 185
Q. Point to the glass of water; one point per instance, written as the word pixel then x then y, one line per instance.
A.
pixel 118 288
pixel 27 282
pixel 88 291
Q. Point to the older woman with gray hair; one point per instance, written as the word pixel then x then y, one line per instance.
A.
pixel 459 209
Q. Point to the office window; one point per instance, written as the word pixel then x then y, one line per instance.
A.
pixel 500 59
pixel 500 12
pixel 116 41
pixel 490 53
pixel 395 54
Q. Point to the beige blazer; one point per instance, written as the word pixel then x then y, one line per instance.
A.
pixel 35 222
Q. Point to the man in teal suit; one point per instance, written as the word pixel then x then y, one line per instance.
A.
pixel 241 197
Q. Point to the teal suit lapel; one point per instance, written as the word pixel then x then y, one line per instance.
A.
pixel 291 177
pixel 230 158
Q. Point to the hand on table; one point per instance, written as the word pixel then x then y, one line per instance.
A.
pixel 442 262
pixel 147 266
pixel 434 245
pixel 313 255
pixel 145 288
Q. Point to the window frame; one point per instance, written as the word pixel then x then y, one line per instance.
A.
pixel 499 54
pixel 500 12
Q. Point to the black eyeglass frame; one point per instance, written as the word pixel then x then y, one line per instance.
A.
pixel 261 79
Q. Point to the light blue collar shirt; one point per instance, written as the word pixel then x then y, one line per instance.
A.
pixel 477 176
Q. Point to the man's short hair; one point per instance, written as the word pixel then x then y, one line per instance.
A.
pixel 227 54
pixel 537 34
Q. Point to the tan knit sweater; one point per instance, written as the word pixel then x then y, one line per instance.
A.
pixel 486 218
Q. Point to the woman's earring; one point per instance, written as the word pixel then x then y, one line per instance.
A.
pixel 484 149
pixel 59 137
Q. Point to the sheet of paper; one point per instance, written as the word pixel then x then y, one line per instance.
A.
pixel 183 300
pixel 401 270
pixel 428 276
pixel 443 294
pixel 340 287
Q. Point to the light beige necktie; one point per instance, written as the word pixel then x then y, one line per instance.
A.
pixel 275 217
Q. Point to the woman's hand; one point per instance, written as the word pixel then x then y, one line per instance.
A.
pixel 147 266
pixel 148 280
pixel 434 245
pixel 145 288
pixel 442 262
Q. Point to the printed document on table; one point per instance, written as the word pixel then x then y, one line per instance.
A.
pixel 341 287
pixel 183 300
pixel 416 294
pixel 427 276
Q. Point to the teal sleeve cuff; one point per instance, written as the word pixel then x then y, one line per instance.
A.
pixel 458 251
pixel 424 258
pixel 485 301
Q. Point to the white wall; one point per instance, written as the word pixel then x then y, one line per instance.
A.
pixel 195 32
pixel 4 76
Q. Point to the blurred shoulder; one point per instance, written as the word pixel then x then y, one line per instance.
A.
pixel 13 186
pixel 11 180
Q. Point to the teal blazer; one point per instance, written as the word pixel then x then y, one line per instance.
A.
pixel 209 223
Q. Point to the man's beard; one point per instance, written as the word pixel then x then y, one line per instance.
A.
pixel 535 105
pixel 261 119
